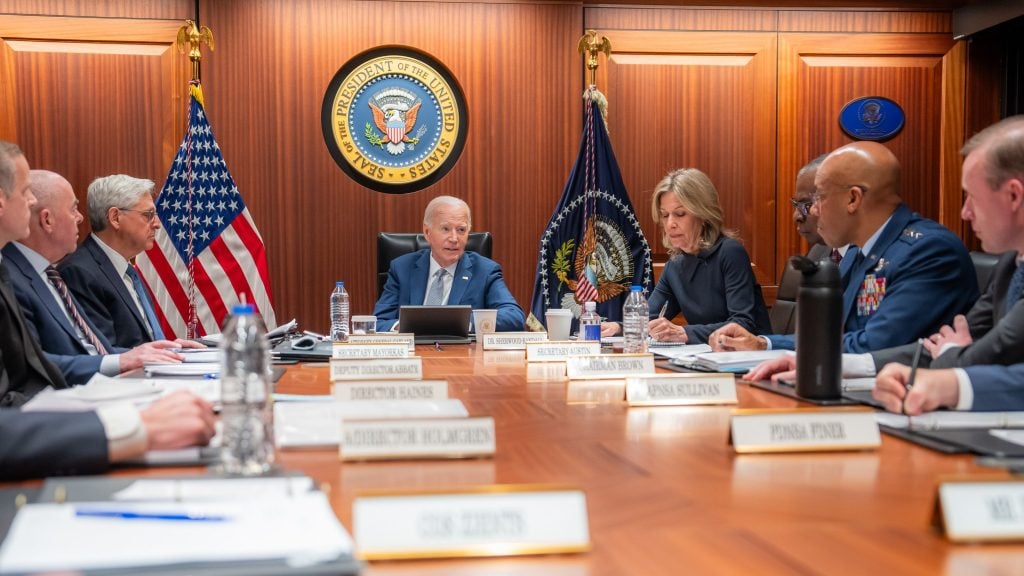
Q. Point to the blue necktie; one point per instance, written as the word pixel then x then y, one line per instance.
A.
pixel 1016 284
pixel 147 306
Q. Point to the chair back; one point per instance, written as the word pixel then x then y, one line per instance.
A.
pixel 783 313
pixel 391 245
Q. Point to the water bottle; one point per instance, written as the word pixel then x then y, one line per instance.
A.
pixel 339 313
pixel 590 322
pixel 635 317
pixel 819 329
pixel 246 413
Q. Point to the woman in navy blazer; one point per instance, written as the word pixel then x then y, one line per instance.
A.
pixel 708 279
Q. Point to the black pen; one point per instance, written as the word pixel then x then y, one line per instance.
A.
pixel 913 370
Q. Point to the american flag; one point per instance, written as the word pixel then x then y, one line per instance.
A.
pixel 208 253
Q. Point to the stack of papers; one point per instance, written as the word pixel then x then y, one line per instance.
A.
pixel 676 350
pixel 299 530
pixel 735 361
pixel 207 369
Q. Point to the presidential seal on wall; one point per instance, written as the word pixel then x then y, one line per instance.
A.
pixel 394 119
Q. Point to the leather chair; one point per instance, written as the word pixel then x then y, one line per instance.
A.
pixel 984 263
pixel 391 245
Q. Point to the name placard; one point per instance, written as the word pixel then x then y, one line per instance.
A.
pixel 407 338
pixel 804 430
pixel 490 521
pixel 511 340
pixel 422 438
pixel 681 389
pixel 604 366
pixel 378 369
pixel 977 510
pixel 560 350
pixel 351 351
pixel 391 390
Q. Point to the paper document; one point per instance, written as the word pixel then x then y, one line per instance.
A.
pixel 300 529
pixel 676 350
pixel 219 489
pixel 183 369
pixel 851 384
pixel 736 361
pixel 318 424
pixel 948 420
pixel 201 355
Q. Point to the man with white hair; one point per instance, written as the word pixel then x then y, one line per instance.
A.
pixel 101 274
pixel 445 274
pixel 54 316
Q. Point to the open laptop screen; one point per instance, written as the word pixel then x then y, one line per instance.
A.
pixel 436 323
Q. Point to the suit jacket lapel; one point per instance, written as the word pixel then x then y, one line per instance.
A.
pixel 418 285
pixel 53 307
pixel 33 353
pixel 107 267
pixel 463 274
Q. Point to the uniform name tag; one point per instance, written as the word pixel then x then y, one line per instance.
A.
pixel 492 521
pixel 609 366
pixel 350 351
pixel 511 340
pixel 422 438
pixel 980 510
pixel 378 369
pixel 560 350
pixel 407 338
pixel 804 430
pixel 669 389
pixel 391 390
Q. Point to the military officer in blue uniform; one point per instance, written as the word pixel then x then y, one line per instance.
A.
pixel 904 275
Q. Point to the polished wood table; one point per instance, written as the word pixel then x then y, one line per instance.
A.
pixel 665 492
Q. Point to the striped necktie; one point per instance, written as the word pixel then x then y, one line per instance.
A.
pixel 436 294
pixel 147 304
pixel 69 305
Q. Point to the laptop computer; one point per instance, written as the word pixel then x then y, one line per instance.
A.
pixel 446 324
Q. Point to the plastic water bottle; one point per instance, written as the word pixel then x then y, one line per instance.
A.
pixel 635 317
pixel 246 408
pixel 590 322
pixel 339 313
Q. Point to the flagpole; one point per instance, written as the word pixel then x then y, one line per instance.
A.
pixel 191 37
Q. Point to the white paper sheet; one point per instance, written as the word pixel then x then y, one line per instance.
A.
pixel 948 420
pixel 318 424
pixel 183 369
pixel 301 528
pixel 225 489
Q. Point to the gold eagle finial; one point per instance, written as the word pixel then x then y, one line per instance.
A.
pixel 590 45
pixel 189 38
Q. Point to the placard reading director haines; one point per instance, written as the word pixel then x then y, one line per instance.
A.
pixel 394 119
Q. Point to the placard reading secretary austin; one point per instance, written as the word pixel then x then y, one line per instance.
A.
pixel 394 119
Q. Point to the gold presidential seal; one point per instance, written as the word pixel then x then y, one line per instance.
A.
pixel 394 119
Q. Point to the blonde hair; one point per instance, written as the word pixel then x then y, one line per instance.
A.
pixel 699 197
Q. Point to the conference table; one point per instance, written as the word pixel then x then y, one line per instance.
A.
pixel 665 491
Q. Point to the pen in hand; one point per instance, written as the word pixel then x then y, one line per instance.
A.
pixel 664 308
pixel 913 371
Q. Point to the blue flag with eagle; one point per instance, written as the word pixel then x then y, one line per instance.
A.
pixel 593 247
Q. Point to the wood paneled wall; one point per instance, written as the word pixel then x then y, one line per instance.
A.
pixel 746 94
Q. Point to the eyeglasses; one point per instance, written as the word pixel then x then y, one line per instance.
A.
pixel 801 206
pixel 147 215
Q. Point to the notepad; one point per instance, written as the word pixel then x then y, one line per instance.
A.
pixel 735 361
pixel 948 420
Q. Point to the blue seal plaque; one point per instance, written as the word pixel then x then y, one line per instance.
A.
pixel 871 118
pixel 394 119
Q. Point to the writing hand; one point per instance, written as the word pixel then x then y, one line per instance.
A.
pixel 932 389
pixel 664 330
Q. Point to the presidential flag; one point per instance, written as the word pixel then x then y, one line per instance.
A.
pixel 208 254
pixel 593 247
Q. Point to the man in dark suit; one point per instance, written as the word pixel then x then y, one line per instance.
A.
pixel 905 275
pixel 445 273
pixel 24 372
pixel 54 317
pixel 992 333
pixel 100 272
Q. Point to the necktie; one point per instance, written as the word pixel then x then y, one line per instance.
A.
pixel 436 294
pixel 69 305
pixel 147 306
pixel 1016 286
pixel 836 256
